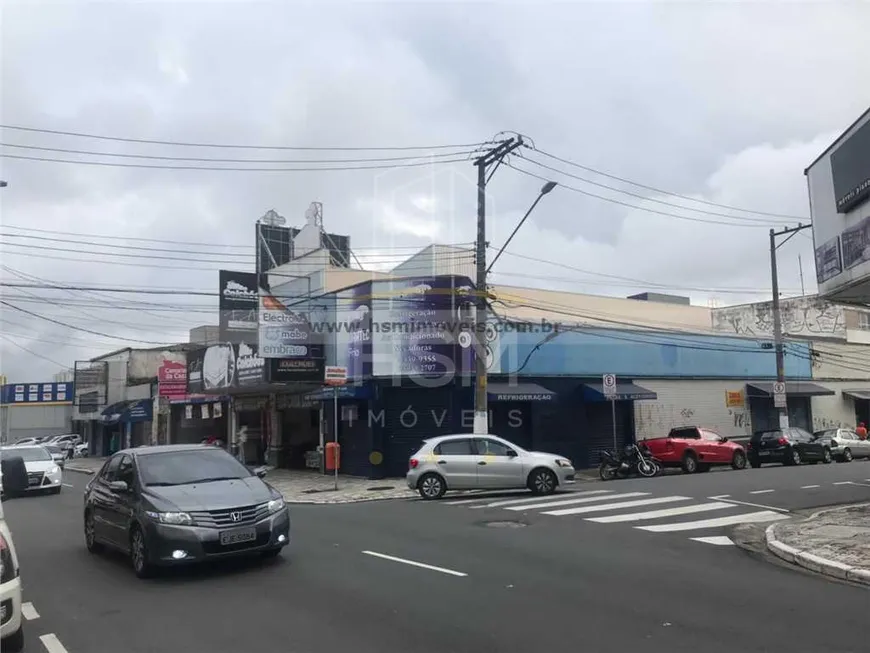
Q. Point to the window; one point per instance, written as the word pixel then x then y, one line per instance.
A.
pixel 864 321
pixel 125 470
pixel 111 469
pixel 454 448
pixel 486 447
pixel 710 436
pixel 27 454
pixel 188 467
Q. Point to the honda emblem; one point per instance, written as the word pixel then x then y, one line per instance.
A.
pixel 236 516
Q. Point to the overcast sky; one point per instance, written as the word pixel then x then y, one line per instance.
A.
pixel 724 102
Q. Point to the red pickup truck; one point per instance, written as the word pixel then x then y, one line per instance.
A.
pixel 696 449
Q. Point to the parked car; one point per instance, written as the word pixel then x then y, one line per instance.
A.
pixel 43 473
pixel 177 504
pixel 58 454
pixel 845 445
pixel 465 462
pixel 696 449
pixel 25 442
pixel 790 446
pixel 11 623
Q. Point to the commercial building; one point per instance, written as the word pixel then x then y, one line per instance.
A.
pixel 32 410
pixel 839 190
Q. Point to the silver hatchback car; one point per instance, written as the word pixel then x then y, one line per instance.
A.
pixel 470 462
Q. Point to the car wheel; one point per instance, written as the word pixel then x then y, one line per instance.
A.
pixel 826 457
pixel 847 456
pixel 15 641
pixel 795 457
pixel 542 481
pixel 431 486
pixel 690 463
pixel 90 535
pixel 139 554
pixel 738 461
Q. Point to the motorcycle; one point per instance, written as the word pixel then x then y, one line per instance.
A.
pixel 634 461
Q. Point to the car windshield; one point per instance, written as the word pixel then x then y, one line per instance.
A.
pixel 827 433
pixel 53 449
pixel 28 454
pixel 188 467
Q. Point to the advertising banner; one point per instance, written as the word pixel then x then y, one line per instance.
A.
pixel 237 306
pixel 37 393
pixel 419 322
pixel 284 325
pixel 829 262
pixel 172 380
pixel 223 367
pixel 296 370
pixel 90 381
pixel 352 330
pixel 856 244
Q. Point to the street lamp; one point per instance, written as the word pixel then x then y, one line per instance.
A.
pixel 546 188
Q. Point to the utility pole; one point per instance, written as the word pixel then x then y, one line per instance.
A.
pixel 495 155
pixel 777 316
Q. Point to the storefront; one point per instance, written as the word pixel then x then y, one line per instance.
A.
pixel 126 424
pixel 194 419
pixel 765 415
pixel 861 399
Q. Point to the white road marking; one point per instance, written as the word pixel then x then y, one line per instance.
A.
pixel 29 612
pixel 724 497
pixel 764 515
pixel 665 512
pixel 52 643
pixel 67 484
pixel 462 502
pixel 718 540
pixel 809 487
pixel 568 502
pixel 509 502
pixel 615 506
pixel 422 565
pixel 856 483
pixel 762 492
pixel 843 483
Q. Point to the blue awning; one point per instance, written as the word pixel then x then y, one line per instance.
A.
pixel 624 392
pixel 139 410
pixel 519 392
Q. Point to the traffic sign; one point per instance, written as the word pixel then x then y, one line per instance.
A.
pixel 334 375
pixel 779 397
pixel 609 384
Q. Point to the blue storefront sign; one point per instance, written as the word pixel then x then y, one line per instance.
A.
pixel 129 412
pixel 37 393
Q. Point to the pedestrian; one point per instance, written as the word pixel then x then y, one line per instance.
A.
pixel 861 431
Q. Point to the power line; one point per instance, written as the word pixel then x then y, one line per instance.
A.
pixel 156 157
pixel 237 146
pixel 29 351
pixel 646 198
pixel 115 164
pixel 635 206
pixel 665 192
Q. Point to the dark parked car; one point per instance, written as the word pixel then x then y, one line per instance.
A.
pixel 791 446
pixel 177 504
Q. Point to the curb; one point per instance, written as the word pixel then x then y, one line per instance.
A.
pixel 813 562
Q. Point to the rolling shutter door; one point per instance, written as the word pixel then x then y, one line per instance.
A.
pixel 412 415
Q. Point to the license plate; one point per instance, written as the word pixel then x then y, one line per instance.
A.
pixel 763 453
pixel 236 537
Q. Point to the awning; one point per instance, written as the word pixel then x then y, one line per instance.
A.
pixel 518 392
pixel 624 392
pixel 139 410
pixel 792 388
pixel 857 394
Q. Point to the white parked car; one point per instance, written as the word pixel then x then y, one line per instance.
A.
pixel 43 473
pixel 11 630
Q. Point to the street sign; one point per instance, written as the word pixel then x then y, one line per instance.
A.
pixel 609 383
pixel 779 397
pixel 333 375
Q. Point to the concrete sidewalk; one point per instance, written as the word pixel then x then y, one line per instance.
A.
pixel 834 542
pixel 303 486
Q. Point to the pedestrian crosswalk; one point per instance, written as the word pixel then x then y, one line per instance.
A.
pixel 675 513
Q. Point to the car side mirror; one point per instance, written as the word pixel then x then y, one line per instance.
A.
pixel 119 487
pixel 511 453
pixel 260 472
pixel 723 439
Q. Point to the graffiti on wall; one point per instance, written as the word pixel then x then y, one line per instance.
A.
pixel 820 423
pixel 804 316
pixel 741 420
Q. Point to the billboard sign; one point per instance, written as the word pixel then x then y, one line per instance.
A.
pixel 856 244
pixel 353 330
pixel 829 261
pixel 37 393
pixel 284 327
pixel 225 366
pixel 295 370
pixel 237 306
pixel 90 380
pixel 172 380
pixel 850 168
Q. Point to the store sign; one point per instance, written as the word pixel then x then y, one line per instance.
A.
pixel 172 380
pixel 735 399
pixel 284 332
pixel 290 370
pixel 37 393
pixel 237 306
pixel 221 367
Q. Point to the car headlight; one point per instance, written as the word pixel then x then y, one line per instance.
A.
pixel 176 518
pixel 53 470
pixel 275 505
pixel 561 462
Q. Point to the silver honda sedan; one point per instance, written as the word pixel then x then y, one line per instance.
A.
pixel 487 462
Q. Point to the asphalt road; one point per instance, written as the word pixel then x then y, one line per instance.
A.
pixel 552 583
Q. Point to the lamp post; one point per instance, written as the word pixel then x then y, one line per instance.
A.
pixel 546 188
